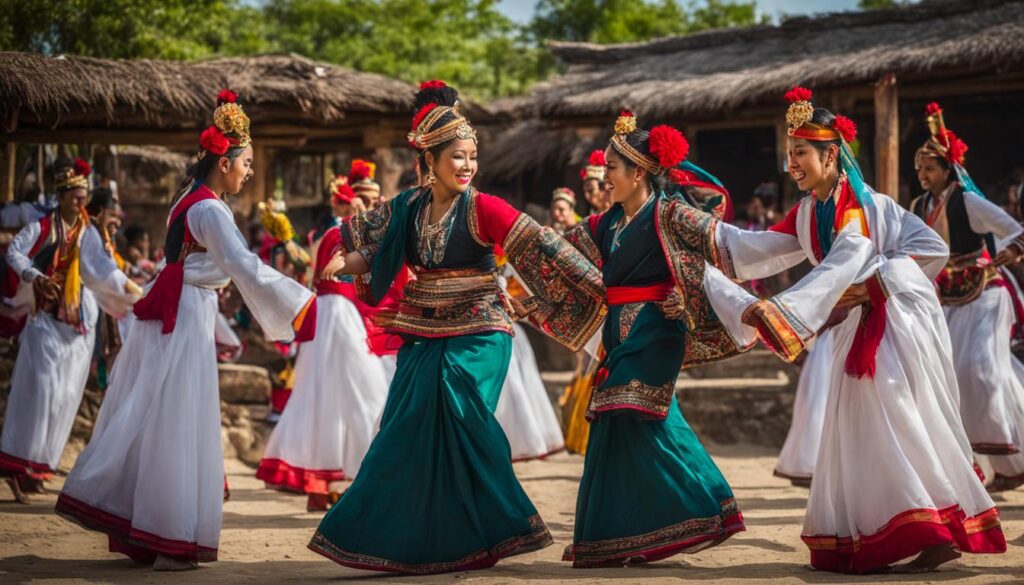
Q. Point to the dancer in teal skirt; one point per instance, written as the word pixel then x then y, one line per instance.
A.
pixel 649 489
pixel 436 491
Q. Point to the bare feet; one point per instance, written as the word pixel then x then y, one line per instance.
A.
pixel 929 560
pixel 19 496
pixel 171 564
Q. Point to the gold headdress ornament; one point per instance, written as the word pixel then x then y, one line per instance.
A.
pixel 943 143
pixel 423 138
pixel 667 145
pixel 230 126
pixel 74 177
pixel 801 112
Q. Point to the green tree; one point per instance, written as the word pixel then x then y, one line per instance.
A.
pixel 876 4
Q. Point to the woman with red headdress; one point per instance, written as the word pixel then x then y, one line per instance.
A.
pixel 152 476
pixel 67 265
pixel 979 300
pixel 436 492
pixel 649 489
pixel 894 476
pixel 340 389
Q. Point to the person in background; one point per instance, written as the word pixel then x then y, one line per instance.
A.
pixel 593 183
pixel 563 210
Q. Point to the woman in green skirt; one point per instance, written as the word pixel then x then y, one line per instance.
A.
pixel 436 491
pixel 649 489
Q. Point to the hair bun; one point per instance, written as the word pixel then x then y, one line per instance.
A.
pixel 435 92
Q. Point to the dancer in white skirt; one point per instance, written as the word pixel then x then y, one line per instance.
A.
pixel 339 395
pixel 524 409
pixel 800 451
pixel 63 257
pixel 152 477
pixel 894 475
pixel 974 295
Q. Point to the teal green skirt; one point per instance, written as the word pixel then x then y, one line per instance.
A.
pixel 436 491
pixel 649 489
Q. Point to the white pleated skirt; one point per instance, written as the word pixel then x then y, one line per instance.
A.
pixel 800 451
pixel 152 477
pixel 524 409
pixel 335 408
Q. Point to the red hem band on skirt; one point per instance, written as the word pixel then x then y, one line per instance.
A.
pixel 906 535
pixel 11 465
pixel 129 541
pixel 278 473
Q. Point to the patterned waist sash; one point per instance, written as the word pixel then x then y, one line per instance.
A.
pixel 443 303
pixel 965 277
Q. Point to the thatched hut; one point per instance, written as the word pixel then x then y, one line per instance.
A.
pixel 309 118
pixel 724 88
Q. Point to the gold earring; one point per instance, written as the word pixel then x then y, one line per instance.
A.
pixel 431 179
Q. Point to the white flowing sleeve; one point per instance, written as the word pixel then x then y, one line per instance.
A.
pixel 273 298
pixel 17 252
pixel 987 217
pixel 101 275
pixel 917 247
pixel 747 255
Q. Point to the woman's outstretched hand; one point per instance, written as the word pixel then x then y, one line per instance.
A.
pixel 335 265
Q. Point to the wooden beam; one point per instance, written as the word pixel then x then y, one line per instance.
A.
pixel 10 170
pixel 887 137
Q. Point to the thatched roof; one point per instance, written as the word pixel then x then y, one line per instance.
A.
pixel 37 91
pixel 711 73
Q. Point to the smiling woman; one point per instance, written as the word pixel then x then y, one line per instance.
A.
pixel 441 464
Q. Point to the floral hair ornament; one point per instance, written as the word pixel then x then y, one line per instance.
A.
pixel 361 177
pixel 943 143
pixel 595 168
pixel 74 177
pixel 667 146
pixel 800 113
pixel 423 136
pixel 230 126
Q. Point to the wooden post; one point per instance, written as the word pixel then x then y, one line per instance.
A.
pixel 257 191
pixel 10 170
pixel 887 137
pixel 41 169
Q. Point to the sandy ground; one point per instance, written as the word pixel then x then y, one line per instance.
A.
pixel 265 535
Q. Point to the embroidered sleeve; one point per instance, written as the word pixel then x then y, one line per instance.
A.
pixel 363 232
pixel 582 238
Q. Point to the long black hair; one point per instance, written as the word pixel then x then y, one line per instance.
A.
pixel 201 169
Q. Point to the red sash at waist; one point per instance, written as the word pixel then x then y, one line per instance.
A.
pixel 620 295
pixel 333 287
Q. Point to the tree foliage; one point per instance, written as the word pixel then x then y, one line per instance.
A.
pixel 466 42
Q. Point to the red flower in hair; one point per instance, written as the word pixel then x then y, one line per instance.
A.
pixel 226 96
pixel 82 168
pixel 422 114
pixel 433 84
pixel 597 159
pixel 626 113
pixel 845 127
pixel 668 145
pixel 933 108
pixel 798 94
pixel 955 148
pixel 214 141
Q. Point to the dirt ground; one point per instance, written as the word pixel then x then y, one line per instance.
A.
pixel 265 534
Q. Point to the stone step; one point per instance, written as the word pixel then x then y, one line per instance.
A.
pixel 758 363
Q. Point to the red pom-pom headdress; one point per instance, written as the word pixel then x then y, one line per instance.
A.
pixel 801 112
pixel 666 145
pixel 226 96
pixel 433 84
pixel 595 168
pixel 361 177
pixel 74 177
pixel 214 141
pixel 81 167
pixel 943 142
pixel 424 134
pixel 341 191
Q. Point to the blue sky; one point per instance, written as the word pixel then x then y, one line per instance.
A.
pixel 522 10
